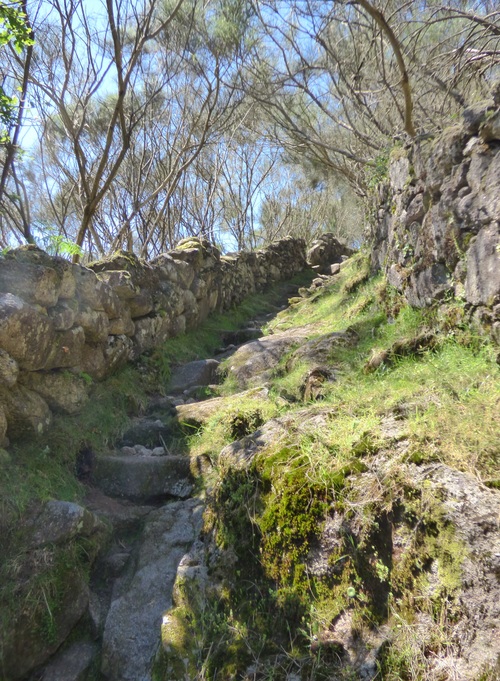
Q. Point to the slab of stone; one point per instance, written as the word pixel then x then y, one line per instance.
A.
pixel 201 372
pixel 143 478
pixel 149 432
pixel 133 624
pixel 71 664
pixel 250 363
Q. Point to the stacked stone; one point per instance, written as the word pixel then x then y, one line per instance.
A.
pixel 436 228
pixel 63 325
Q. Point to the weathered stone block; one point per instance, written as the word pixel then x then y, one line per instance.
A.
pixel 64 392
pixel 66 350
pixel 87 289
pixel 120 282
pixel 26 333
pixel 141 304
pixel 95 324
pixel 27 413
pixel 63 315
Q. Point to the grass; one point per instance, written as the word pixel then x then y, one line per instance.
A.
pixel 268 516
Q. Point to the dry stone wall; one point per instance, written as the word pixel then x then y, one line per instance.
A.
pixel 63 326
pixel 436 220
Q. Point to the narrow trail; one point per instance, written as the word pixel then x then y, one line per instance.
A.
pixel 144 489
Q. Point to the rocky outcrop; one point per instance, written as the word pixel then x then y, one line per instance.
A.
pixel 326 251
pixel 56 535
pixel 63 326
pixel 436 219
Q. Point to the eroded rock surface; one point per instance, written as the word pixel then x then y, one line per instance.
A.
pixel 132 630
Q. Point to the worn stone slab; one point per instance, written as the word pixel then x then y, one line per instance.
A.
pixel 133 625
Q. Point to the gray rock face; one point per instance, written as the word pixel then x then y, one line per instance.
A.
pixel 440 230
pixel 482 284
pixel 325 251
pixel 72 664
pixel 252 361
pixel 133 625
pixel 473 511
pixel 199 373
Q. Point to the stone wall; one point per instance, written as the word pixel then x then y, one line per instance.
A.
pixel 435 229
pixel 63 326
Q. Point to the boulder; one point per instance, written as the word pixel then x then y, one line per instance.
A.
pixel 201 372
pixel 321 350
pixel 251 364
pixel 60 521
pixel 197 414
pixel 325 251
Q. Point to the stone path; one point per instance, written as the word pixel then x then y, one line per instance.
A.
pixel 144 490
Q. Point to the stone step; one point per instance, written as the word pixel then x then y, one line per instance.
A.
pixel 150 432
pixel 142 479
pixel 133 624
pixel 201 372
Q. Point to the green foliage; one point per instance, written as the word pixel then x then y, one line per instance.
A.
pixel 379 171
pixel 14 30
pixel 58 244
pixel 269 515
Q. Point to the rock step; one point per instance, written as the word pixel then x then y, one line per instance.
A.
pixel 143 479
pixel 132 629
pixel 149 432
